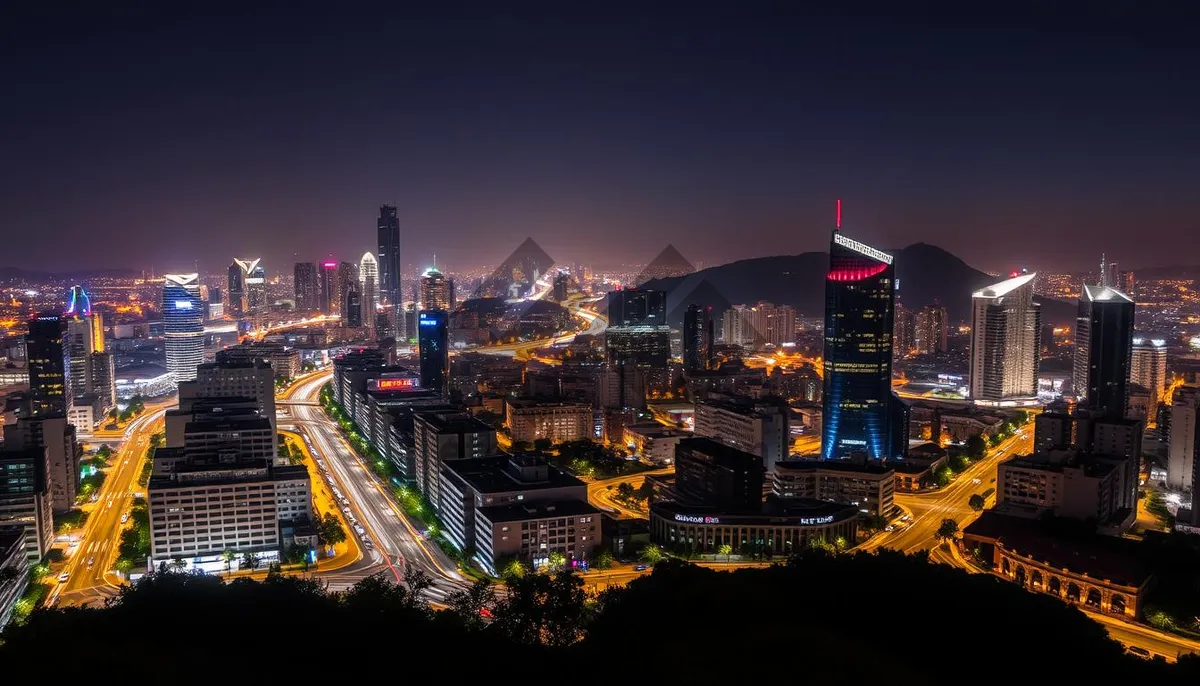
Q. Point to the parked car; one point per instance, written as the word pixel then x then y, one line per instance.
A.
pixel 640 568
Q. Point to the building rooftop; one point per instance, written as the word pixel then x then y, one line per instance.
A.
pixel 656 430
pixel 1005 287
pixel 1104 294
pixel 455 421
pixel 500 473
pixel 846 466
pixel 722 454
pixel 1058 460
pixel 557 508
pixel 1103 557
pixel 529 403
pixel 774 511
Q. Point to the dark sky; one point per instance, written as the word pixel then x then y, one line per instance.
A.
pixel 154 138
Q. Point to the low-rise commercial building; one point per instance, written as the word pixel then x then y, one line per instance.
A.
pixel 757 426
pixel 440 437
pixel 531 419
pixel 868 486
pixel 916 471
pixel 1066 482
pixel 284 361
pixel 654 442
pixel 534 532
pixel 780 528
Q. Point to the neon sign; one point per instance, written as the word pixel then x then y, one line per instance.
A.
pixel 183 304
pixel 862 248
pixel 696 519
pixel 812 521
pixel 394 384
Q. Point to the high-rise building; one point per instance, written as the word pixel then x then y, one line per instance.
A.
pixel 1127 284
pixel 89 368
pixel 347 274
pixel 25 501
pixel 637 307
pixel 1109 274
pixel 183 325
pixel 47 365
pixel 390 293
pixel 435 294
pixel 56 437
pixel 433 346
pixel 254 283
pixel 1148 366
pixel 695 325
pixel 709 473
pixel 1006 331
pixel 1103 348
pixel 759 325
pixel 930 330
pixel 368 277
pixel 902 332
pixel 757 426
pixel 860 414
pixel 253 381
pixel 327 288
pixel 352 309
pixel 236 292
pixel 1182 436
pixel 304 282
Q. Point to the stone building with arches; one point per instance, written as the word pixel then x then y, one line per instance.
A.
pixel 1098 573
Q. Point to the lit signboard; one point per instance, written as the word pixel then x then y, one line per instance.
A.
pixel 428 322
pixel 183 304
pixel 254 279
pixel 329 265
pixel 813 521
pixel 696 519
pixel 396 384
pixel 862 248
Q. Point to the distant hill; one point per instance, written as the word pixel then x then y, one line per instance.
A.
pixel 926 274
pixel 18 274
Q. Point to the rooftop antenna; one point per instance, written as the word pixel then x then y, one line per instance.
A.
pixel 838 224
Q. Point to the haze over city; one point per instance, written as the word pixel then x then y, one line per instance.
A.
pixel 194 134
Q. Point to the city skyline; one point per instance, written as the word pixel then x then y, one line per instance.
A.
pixel 588 136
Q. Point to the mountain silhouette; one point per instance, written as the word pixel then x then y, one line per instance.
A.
pixel 668 264
pixel 925 274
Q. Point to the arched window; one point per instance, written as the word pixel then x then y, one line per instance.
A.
pixel 1055 586
pixel 1093 598
pixel 1073 592
pixel 1118 604
pixel 1004 565
pixel 1020 578
pixel 1036 579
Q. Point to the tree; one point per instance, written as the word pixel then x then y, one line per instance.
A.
pixel 652 554
pixel 124 566
pixel 544 609
pixel 958 463
pixel 725 550
pixel 941 476
pixel 474 604
pixel 418 581
pixel 976 447
pixel 976 502
pixel 330 530
pixel 947 530
pixel 521 446
pixel 250 560
pixel 542 444
pixel 748 550
pixel 297 554
pixel 625 492
pixel 113 414
pixel 874 523
pixel 557 560
pixel 602 559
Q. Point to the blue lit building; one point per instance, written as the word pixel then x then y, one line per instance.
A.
pixel 861 414
pixel 433 346
pixel 183 325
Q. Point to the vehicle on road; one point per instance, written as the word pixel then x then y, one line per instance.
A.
pixel 361 531
pixel 62 578
pixel 640 568
pixel 1139 651
pixel 91 561
pixel 125 518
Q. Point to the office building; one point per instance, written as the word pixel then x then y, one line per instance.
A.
pixel 236 305
pixel 1053 428
pixel 637 307
pixel 284 361
pixel 45 359
pixel 781 528
pixel 14 572
pixel 647 347
pixel 517 507
pixel 760 325
pixel 433 347
pixel 931 330
pixel 56 437
pixel 352 309
pixel 368 278
pixel 183 324
pixel 695 325
pixel 530 419
pixel 25 500
pixel 254 285
pixel 903 331
pixel 757 426
pixel 1066 482
pixel 328 288
pixel 868 486
pixel 653 442
pixel 712 474
pixel 89 368
pixel 442 436
pixel 1148 366
pixel 1006 330
pixel 253 380
pixel 1182 437
pixel 1127 284
pixel 347 274
pixel 860 412
pixel 390 286
pixel 1103 350
pixel 305 286
pixel 435 293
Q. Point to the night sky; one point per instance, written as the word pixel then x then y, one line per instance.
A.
pixel 159 139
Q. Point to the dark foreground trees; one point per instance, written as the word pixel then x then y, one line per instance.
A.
pixel 818 619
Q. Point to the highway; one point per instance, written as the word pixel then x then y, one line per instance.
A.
pixel 396 541
pixel 601 493
pixel 576 304
pixel 101 536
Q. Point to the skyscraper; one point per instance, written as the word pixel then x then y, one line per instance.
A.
pixel 695 326
pixel 637 307
pixel 183 324
pixel 861 414
pixel 1103 350
pixel 1006 333
pixel 388 228
pixel 368 277
pixel 435 294
pixel 930 330
pixel 236 306
pixel 347 274
pixel 433 345
pixel 1148 366
pixel 46 361
pixel 89 368
pixel 327 288
pixel 254 283
pixel 352 309
pixel 305 286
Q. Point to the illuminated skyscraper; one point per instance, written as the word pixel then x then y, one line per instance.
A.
pixel 930 330
pixel 305 285
pixel 89 368
pixel 388 229
pixel 861 414
pixel 1148 366
pixel 695 328
pixel 347 274
pixel 435 294
pixel 327 288
pixel 433 346
pixel 183 325
pixel 46 362
pixel 236 305
pixel 368 277
pixel 1006 334
pixel 254 284
pixel 352 309
pixel 1103 350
